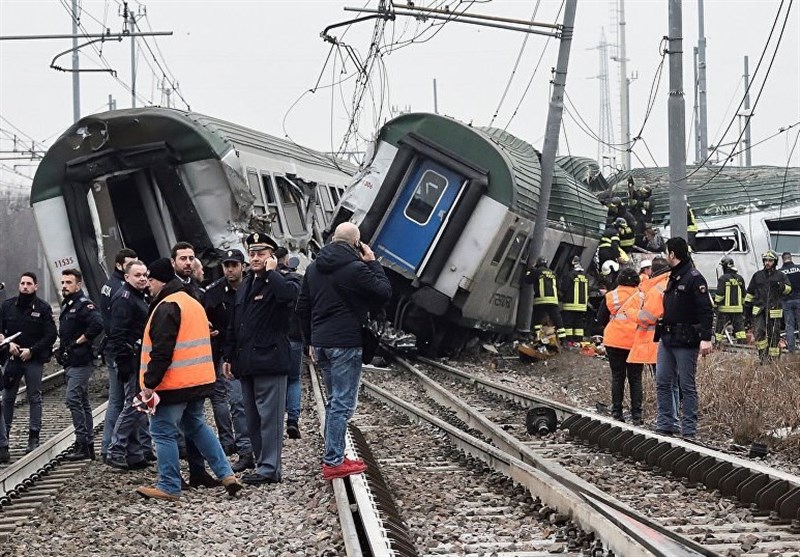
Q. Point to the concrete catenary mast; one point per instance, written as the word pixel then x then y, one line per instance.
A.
pixel 702 99
pixel 677 122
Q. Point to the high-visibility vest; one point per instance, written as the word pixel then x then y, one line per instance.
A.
pixel 192 364
pixel 545 290
pixel 691 221
pixel 623 305
pixel 644 350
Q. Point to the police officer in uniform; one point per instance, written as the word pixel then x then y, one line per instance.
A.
pixel 33 318
pixel 80 323
pixel 764 302
pixel 729 302
pixel 685 330
pixel 791 305
pixel 226 402
pixel 257 352
pixel 116 395
pixel 575 297
pixel 130 446
pixel 545 298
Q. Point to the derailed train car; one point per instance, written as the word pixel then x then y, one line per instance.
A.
pixel 146 178
pixel 449 210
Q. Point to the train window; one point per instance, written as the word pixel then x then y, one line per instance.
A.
pixel 255 189
pixel 501 249
pixel 426 197
pixel 324 199
pixel 784 234
pixel 290 197
pixel 511 259
pixel 276 224
pixel 334 194
pixel 521 264
pixel 728 239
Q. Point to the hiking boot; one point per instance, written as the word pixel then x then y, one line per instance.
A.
pixel 118 463
pixel 204 480
pixel 139 465
pixel 232 485
pixel 229 449
pixel 79 452
pixel 292 430
pixel 346 468
pixel 33 441
pixel 245 462
pixel 154 493
pixel 5 456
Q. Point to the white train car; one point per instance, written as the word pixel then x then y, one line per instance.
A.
pixel 147 178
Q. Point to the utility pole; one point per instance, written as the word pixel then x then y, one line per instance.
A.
pixel 624 84
pixel 112 102
pixel 435 98
pixel 605 127
pixel 551 136
pixel 76 80
pixel 698 155
pixel 677 117
pixel 748 114
pixel 702 130
pixel 129 27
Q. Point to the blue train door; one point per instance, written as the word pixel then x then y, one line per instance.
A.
pixel 422 206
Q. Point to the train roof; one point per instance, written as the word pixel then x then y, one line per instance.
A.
pixel 715 192
pixel 189 135
pixel 514 169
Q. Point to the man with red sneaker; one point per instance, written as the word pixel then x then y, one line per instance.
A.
pixel 340 287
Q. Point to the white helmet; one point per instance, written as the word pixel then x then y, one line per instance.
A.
pixel 609 267
pixel 645 264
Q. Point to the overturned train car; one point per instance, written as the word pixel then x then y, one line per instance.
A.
pixel 449 210
pixel 146 178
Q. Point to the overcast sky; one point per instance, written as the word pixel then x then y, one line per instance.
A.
pixel 250 61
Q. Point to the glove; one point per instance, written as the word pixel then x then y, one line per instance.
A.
pixel 125 368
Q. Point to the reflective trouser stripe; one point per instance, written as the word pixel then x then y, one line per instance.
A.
pixel 577 332
pixel 568 331
pixel 761 344
pixel 774 351
pixel 776 313
pixel 741 335
pixel 561 333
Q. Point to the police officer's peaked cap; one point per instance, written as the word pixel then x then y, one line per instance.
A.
pixel 161 270
pixel 258 241
pixel 233 255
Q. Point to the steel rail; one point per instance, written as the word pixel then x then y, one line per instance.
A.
pixel 536 481
pixel 658 539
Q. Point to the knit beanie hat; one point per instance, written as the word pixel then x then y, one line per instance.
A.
pixel 161 270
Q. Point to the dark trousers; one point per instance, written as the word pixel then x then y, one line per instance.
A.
pixel 737 323
pixel 620 370
pixel 573 325
pixel 767 332
pixel 542 311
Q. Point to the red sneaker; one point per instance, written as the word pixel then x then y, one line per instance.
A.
pixel 346 468
pixel 357 461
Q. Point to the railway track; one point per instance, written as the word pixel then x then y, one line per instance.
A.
pixel 584 447
pixel 35 478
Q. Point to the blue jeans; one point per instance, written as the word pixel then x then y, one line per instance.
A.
pixel 676 364
pixel 293 392
pixel 241 437
pixel 791 315
pixel 15 370
pixel 78 401
pixel 116 396
pixel 341 372
pixel 164 426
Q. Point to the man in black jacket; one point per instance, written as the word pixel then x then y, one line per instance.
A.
pixel 32 317
pixel 79 324
pixel 339 289
pixel 257 352
pixel 226 402
pixel 130 443
pixel 116 394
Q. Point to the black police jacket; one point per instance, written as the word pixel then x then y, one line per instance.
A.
pixel 256 341
pixel 218 303
pixel 79 316
pixel 792 273
pixel 326 318
pixel 33 317
pixel 110 288
pixel 687 302
pixel 128 319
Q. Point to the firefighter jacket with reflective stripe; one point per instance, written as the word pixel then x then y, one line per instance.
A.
pixel 644 350
pixel 545 289
pixel 766 291
pixel 691 221
pixel 627 237
pixel 609 248
pixel 730 293
pixel 176 348
pixel 623 305
pixel 574 291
